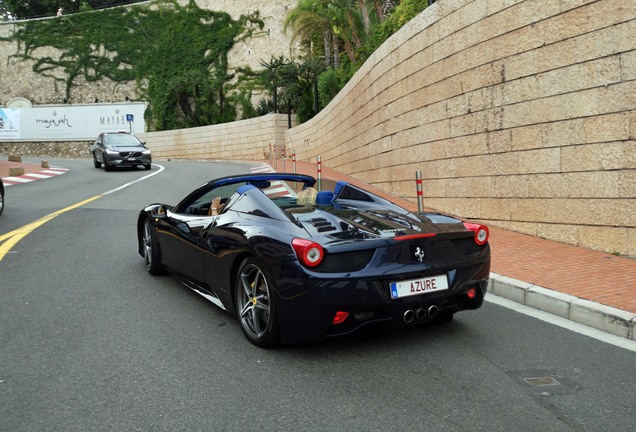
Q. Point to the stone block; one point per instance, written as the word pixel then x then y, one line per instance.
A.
pixel 540 161
pixel 549 185
pixel 15 158
pixel 628 65
pixel 601 156
pixel 16 171
pixel 563 233
pixel 527 137
pixel 603 238
pixel 631 242
pixel 530 210
pixel 509 186
pixel 496 209
pixel 626 184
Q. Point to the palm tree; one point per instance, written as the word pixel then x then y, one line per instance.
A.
pixel 347 25
pixel 362 4
pixel 272 76
pixel 310 18
pixel 338 22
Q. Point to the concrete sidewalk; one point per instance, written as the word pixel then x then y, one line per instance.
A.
pixel 585 286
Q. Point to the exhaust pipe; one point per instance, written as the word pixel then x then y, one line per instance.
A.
pixel 408 316
pixel 420 314
pixel 432 311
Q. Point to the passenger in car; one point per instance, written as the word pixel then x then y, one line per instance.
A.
pixel 306 197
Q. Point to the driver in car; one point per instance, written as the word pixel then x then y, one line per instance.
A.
pixel 215 207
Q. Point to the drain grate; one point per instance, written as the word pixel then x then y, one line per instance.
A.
pixel 541 381
pixel 544 382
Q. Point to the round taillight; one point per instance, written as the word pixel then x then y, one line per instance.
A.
pixel 481 232
pixel 308 252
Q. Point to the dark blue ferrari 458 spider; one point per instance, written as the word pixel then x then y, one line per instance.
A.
pixel 295 266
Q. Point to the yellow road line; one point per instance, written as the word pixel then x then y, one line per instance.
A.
pixel 13 237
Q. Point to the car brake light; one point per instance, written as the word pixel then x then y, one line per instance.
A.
pixel 340 317
pixel 471 293
pixel 481 232
pixel 309 253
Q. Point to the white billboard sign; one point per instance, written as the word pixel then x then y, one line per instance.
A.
pixel 9 124
pixel 71 122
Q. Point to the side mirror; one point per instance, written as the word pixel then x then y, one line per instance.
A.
pixel 158 212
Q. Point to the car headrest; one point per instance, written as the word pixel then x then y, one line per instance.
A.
pixel 324 198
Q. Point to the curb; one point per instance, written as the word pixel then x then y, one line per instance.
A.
pixel 592 314
pixel 33 176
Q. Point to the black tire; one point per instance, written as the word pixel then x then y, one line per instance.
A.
pixel 152 253
pixel 107 165
pixel 147 167
pixel 96 162
pixel 256 304
pixel 1 201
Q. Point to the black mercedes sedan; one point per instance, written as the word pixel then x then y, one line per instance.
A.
pixel 298 270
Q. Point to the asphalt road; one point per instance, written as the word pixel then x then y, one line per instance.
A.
pixel 90 342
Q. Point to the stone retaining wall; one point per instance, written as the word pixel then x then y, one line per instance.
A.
pixel 246 139
pixel 519 113
pixel 58 149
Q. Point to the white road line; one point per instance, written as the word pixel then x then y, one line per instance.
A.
pixel 16 179
pixel 37 176
pixel 264 168
pixel 161 168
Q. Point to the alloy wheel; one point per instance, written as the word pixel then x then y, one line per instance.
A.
pixel 147 241
pixel 254 301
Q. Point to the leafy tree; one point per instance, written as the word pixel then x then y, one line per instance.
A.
pixel 291 86
pixel 308 104
pixel 347 25
pixel 272 77
pixel 403 13
pixel 312 19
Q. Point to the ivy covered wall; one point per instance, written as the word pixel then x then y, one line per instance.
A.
pixel 175 55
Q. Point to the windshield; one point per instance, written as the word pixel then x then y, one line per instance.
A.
pixel 280 189
pixel 122 140
pixel 280 192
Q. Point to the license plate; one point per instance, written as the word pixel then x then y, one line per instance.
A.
pixel 418 286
